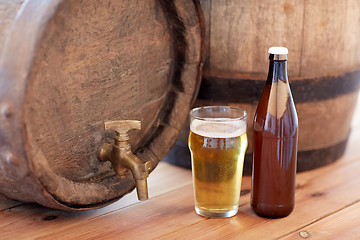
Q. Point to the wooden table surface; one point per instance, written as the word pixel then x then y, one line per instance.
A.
pixel 327 207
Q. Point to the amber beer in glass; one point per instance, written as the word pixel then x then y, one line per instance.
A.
pixel 217 143
pixel 275 143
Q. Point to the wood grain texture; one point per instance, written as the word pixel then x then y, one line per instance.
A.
pixel 326 203
pixel 319 194
pixel 98 68
pixel 331 31
pixel 323 67
pixel 37 221
pixel 8 11
pixel 323 40
pixel 241 32
pixel 13 73
pixel 322 36
pixel 329 228
pixel 85 63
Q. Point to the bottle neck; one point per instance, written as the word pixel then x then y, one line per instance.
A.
pixel 277 71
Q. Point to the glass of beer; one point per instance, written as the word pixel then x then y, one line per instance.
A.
pixel 217 143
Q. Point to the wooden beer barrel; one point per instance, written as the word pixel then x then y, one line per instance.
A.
pixel 323 67
pixel 66 67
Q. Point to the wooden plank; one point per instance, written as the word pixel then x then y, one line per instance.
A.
pixel 163 179
pixel 242 31
pixel 157 185
pixel 312 116
pixel 329 227
pixel 171 215
pixel 330 37
pixel 319 193
pixel 322 36
pixel 206 8
pixel 6 203
pixel 33 220
pixel 144 220
pixel 166 178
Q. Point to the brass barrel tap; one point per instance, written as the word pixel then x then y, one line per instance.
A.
pixel 122 158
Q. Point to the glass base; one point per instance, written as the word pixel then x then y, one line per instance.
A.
pixel 216 214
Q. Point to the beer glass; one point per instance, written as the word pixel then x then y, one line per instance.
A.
pixel 217 143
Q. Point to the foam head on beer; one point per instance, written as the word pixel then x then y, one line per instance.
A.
pixel 218 127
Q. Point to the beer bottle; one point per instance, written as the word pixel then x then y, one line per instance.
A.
pixel 275 143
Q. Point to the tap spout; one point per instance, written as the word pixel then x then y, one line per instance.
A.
pixel 139 170
pixel 122 158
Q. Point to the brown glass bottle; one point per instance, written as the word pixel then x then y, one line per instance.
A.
pixel 275 143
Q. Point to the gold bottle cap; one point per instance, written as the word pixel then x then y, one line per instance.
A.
pixel 278 53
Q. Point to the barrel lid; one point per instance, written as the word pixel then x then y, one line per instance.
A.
pixel 85 63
